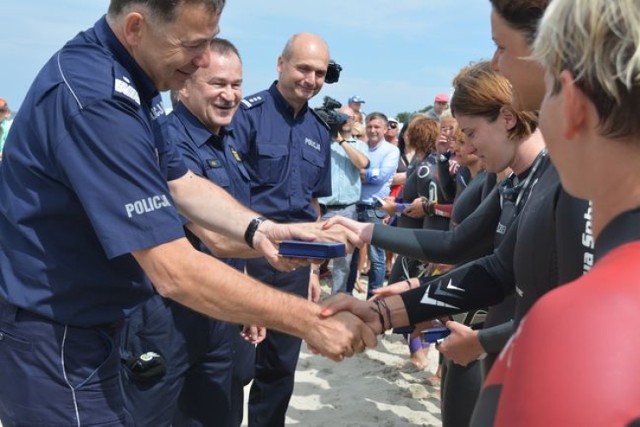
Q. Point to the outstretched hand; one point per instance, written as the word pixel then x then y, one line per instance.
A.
pixel 340 336
pixel 307 231
pixel 344 303
pixel 363 231
pixel 462 346
pixel 393 289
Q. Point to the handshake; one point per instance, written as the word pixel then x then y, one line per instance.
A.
pixel 343 325
pixel 348 325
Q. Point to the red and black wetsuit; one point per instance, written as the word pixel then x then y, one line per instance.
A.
pixel 574 359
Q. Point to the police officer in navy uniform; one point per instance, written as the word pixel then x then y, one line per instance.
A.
pixel 89 194
pixel 287 153
pixel 199 353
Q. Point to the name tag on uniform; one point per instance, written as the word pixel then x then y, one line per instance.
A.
pixel 236 155
pixel 312 143
pixel 214 163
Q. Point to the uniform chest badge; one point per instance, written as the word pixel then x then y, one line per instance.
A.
pixel 214 163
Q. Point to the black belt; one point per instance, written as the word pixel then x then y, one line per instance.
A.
pixel 362 206
pixel 337 207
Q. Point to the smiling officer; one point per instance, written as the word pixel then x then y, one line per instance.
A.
pixel 89 198
pixel 189 379
pixel 287 151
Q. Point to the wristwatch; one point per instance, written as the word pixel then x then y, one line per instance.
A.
pixel 251 230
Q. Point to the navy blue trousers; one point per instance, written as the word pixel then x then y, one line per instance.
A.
pixel 58 375
pixel 277 355
pixel 201 366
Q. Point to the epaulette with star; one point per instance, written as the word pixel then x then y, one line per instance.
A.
pixel 251 101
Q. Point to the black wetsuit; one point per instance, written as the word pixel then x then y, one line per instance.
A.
pixel 469 194
pixel 514 192
pixel 461 385
pixel 554 245
pixel 423 180
pixel 549 233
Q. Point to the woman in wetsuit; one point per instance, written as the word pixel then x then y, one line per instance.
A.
pixel 550 373
pixel 487 281
pixel 422 184
pixel 554 242
pixel 460 385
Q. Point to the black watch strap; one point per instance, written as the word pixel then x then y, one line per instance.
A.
pixel 250 232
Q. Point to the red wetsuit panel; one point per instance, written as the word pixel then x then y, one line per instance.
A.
pixel 575 360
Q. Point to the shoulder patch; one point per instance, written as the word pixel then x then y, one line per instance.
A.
pixel 251 101
pixel 324 124
pixel 122 86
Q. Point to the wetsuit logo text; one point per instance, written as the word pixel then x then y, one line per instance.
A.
pixel 147 205
pixel 587 241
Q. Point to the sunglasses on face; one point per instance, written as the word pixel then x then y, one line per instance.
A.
pixel 393 125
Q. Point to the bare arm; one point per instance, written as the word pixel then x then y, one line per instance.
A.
pixel 208 286
pixel 210 206
pixel 399 178
pixel 221 246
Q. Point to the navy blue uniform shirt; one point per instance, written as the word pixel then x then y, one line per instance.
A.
pixel 214 157
pixel 288 159
pixel 84 183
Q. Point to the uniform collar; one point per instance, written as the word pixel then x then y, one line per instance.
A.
pixel 198 132
pixel 282 104
pixel 145 86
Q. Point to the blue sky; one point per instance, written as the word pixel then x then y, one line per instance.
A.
pixel 396 55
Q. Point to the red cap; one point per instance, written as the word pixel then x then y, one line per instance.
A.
pixel 442 97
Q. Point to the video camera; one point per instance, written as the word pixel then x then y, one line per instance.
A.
pixel 333 72
pixel 329 114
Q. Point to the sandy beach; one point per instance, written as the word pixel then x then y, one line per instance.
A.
pixel 376 388
pixel 379 387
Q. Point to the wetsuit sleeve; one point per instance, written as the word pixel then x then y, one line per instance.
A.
pixel 472 238
pixel 485 281
pixel 466 287
pixel 494 339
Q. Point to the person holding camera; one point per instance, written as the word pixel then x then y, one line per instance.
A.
pixel 286 150
pixel 347 158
